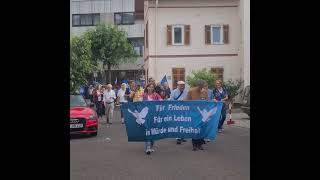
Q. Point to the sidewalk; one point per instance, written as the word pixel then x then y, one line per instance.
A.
pixel 241 119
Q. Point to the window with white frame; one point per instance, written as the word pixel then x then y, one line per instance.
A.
pixel 216 34
pixel 178 35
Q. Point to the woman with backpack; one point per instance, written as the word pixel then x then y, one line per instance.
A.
pixel 150 95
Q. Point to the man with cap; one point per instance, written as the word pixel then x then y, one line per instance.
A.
pixel 179 94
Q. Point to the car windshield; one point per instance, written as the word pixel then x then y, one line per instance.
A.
pixel 77 101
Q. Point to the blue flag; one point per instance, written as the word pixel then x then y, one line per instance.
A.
pixel 153 120
pixel 125 81
pixel 164 79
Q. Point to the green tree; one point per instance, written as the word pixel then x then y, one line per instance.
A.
pixel 111 46
pixel 81 63
pixel 202 74
pixel 233 88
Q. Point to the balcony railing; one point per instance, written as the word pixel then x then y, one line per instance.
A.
pixel 101 6
pixel 135 30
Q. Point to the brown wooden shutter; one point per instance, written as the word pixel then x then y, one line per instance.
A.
pixel 218 71
pixel 169 34
pixel 226 34
pixel 207 34
pixel 220 76
pixel 178 74
pixel 187 34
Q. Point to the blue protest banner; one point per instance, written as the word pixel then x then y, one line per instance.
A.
pixel 153 120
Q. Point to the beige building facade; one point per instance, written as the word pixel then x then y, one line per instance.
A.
pixel 186 35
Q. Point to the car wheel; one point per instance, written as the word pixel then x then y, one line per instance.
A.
pixel 94 134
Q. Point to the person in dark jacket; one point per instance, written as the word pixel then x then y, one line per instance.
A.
pixel 221 95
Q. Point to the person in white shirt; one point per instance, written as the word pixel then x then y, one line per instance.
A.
pixel 179 94
pixel 122 98
pixel 109 97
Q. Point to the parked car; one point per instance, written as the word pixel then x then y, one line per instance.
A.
pixel 245 100
pixel 83 118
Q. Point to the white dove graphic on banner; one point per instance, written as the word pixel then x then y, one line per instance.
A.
pixel 140 116
pixel 205 114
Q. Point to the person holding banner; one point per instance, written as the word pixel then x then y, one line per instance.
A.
pixel 121 98
pixel 210 98
pixel 210 92
pixel 221 95
pixel 179 94
pixel 150 95
pixel 159 89
pixel 197 93
pixel 166 90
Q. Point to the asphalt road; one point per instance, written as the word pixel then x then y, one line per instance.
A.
pixel 109 156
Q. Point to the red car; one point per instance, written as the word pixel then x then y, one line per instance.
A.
pixel 83 118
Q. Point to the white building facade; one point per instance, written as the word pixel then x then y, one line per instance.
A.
pixel 86 14
pixel 245 39
pixel 186 35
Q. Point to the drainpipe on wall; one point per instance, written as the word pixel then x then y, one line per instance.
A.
pixel 155 44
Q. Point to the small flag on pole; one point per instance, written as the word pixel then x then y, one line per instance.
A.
pixel 116 81
pixel 164 79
